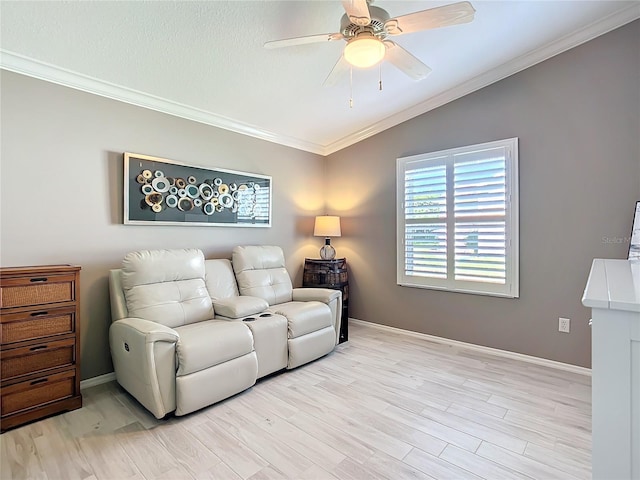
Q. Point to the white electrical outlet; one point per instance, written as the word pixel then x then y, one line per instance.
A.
pixel 564 325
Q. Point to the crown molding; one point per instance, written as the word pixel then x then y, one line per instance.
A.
pixel 27 66
pixel 44 71
pixel 512 67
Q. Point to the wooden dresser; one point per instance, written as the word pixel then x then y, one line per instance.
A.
pixel 39 342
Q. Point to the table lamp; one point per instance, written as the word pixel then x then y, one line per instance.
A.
pixel 327 226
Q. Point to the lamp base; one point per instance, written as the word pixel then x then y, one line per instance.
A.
pixel 327 252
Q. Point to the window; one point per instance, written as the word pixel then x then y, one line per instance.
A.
pixel 458 219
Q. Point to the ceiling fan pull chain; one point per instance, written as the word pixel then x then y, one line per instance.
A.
pixel 380 76
pixel 350 87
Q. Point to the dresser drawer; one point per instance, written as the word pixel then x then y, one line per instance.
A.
pixel 36 290
pixel 38 392
pixel 37 324
pixel 37 358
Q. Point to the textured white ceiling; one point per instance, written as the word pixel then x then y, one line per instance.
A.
pixel 205 59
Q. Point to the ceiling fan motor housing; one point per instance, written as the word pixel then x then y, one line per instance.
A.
pixel 375 28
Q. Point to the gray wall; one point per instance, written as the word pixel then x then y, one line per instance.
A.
pixel 577 118
pixel 61 191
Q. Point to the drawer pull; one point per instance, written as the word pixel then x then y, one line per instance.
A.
pixel 39 347
pixel 38 279
pixel 38 314
pixel 42 380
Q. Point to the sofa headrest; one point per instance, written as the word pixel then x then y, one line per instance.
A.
pixel 257 257
pixel 260 272
pixel 157 266
pixel 220 280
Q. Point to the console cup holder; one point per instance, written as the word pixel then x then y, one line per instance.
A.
pixel 248 319
pixel 265 314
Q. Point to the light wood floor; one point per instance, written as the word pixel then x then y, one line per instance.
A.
pixel 383 406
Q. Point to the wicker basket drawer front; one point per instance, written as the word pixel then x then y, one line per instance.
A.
pixel 318 273
pixel 37 290
pixel 37 358
pixel 41 391
pixel 325 278
pixel 39 324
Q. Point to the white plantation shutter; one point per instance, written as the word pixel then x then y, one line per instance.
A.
pixel 426 250
pixel 425 200
pixel 457 219
pixel 479 196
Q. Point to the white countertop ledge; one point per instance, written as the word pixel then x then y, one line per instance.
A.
pixel 614 285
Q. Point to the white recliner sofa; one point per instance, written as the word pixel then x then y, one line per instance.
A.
pixel 184 336
pixel 313 327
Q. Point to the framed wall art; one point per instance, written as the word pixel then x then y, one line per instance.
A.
pixel 158 191
pixel 634 242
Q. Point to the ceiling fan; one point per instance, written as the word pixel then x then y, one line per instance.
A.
pixel 365 29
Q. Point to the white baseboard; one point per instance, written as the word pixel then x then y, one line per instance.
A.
pixel 109 377
pixel 99 380
pixel 479 348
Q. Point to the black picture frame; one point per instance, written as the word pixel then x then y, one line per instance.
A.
pixel 158 191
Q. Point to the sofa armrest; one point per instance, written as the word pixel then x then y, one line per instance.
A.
pixel 324 295
pixel 333 298
pixel 240 306
pixel 144 360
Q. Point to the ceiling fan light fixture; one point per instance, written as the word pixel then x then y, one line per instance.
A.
pixel 364 51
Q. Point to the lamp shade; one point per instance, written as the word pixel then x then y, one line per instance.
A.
pixel 364 51
pixel 327 226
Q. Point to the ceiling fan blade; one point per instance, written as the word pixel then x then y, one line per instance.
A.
pixel 289 42
pixel 339 70
pixel 357 11
pixel 404 61
pixel 454 14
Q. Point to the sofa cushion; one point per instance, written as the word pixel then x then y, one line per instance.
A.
pixel 238 307
pixel 219 278
pixel 166 286
pixel 304 317
pixel 172 303
pixel 260 272
pixel 206 344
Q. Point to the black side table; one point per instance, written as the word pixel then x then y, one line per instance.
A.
pixel 330 274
